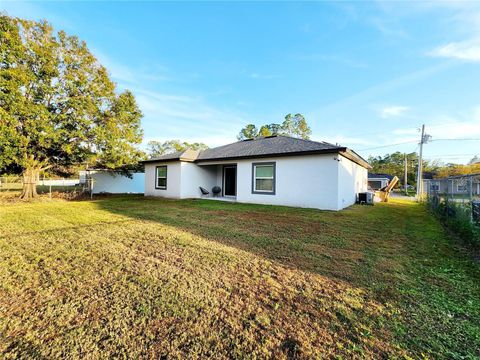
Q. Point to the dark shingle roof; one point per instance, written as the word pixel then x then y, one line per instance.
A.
pixel 276 145
pixel 272 145
pixel 173 156
pixel 381 176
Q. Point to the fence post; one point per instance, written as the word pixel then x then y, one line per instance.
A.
pixel 476 212
pixel 451 193
pixel 470 187
pixel 91 187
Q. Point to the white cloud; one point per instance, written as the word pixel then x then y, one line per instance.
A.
pixel 461 126
pixel 378 91
pixel 188 118
pixel 464 50
pixel 173 116
pixel 393 111
pixel 210 140
pixel 464 24
pixel 123 73
pixel 456 130
pixel 466 125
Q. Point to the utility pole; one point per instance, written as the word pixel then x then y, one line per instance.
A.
pixel 405 178
pixel 419 170
pixel 423 140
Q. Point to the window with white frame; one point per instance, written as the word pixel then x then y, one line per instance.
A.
pixel 263 178
pixel 434 186
pixel 161 177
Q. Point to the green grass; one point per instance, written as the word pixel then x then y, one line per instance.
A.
pixel 410 192
pixel 134 277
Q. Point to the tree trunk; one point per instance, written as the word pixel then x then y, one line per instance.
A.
pixel 30 176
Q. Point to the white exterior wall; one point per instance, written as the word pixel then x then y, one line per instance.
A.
pixel 312 181
pixel 173 180
pixel 107 182
pixel 352 179
pixel 303 181
pixel 194 176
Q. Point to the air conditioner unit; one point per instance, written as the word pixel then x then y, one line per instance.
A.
pixel 366 198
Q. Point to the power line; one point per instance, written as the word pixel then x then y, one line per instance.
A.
pixel 413 141
pixel 455 140
pixel 378 132
pixel 446 124
pixel 384 146
pixel 451 155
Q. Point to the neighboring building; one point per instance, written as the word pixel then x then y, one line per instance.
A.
pixel 378 181
pixel 455 185
pixel 277 170
pixel 108 182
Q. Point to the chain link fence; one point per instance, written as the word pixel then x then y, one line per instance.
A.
pixel 9 185
pixel 456 201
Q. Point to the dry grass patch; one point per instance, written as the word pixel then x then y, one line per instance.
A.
pixel 134 277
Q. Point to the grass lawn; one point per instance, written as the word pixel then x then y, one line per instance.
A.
pixel 410 192
pixel 135 277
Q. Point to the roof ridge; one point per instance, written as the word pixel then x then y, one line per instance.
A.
pixel 277 145
pixel 274 136
pixel 309 140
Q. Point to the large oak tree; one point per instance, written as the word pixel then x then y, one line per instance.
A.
pixel 58 106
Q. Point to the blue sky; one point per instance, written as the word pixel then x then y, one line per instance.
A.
pixel 364 74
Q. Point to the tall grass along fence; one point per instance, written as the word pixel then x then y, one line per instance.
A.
pixel 456 201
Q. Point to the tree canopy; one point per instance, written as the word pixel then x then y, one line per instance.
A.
pixel 393 164
pixel 293 125
pixel 458 169
pixel 158 148
pixel 58 106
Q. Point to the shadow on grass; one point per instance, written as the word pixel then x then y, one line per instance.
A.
pixel 397 252
pixel 360 245
pixel 387 252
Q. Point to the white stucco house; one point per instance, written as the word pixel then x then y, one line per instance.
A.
pixel 378 181
pixel 276 170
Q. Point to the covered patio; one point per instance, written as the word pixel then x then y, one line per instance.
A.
pixel 220 182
